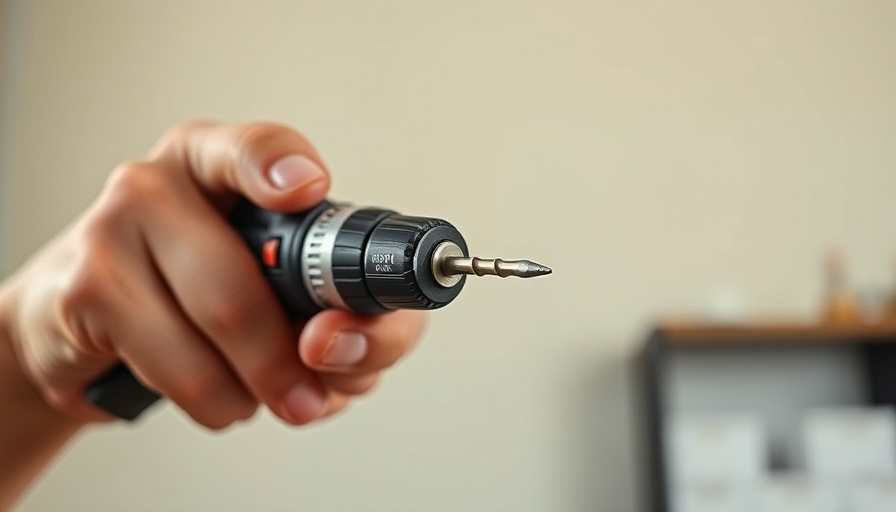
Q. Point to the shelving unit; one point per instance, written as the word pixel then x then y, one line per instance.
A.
pixel 774 369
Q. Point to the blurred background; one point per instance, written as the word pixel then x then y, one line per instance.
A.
pixel 690 159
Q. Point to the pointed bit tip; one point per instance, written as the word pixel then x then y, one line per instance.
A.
pixel 536 269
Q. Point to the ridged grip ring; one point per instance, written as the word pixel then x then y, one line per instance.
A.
pixel 317 256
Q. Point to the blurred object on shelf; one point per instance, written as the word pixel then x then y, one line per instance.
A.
pixel 890 308
pixel 726 305
pixel 840 306
pixel 873 305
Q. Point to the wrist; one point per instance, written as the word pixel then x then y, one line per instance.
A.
pixel 31 431
pixel 17 389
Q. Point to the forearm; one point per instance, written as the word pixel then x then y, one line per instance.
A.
pixel 31 432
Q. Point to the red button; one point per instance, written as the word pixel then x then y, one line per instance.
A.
pixel 270 253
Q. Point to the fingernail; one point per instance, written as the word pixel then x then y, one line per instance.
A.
pixel 303 404
pixel 347 348
pixel 294 171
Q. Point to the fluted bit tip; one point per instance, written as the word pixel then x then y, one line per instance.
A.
pixel 533 269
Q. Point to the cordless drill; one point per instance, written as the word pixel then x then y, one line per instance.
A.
pixel 338 255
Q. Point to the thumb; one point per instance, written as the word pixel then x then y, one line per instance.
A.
pixel 272 165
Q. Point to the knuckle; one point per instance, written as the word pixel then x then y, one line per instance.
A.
pixel 180 131
pixel 361 386
pixel 218 422
pixel 197 389
pixel 134 184
pixel 214 423
pixel 246 411
pixel 233 311
pixel 221 419
pixel 88 292
pixel 186 127
pixel 92 281
pixel 79 293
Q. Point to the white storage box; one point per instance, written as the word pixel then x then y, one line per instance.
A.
pixel 874 495
pixel 716 448
pixel 850 444
pixel 798 493
pixel 713 497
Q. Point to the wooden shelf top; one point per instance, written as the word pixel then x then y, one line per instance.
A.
pixel 694 333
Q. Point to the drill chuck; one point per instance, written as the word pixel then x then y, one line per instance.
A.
pixel 338 255
pixel 366 260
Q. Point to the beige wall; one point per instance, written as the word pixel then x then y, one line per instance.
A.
pixel 11 38
pixel 661 156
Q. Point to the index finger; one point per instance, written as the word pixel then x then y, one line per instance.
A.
pixel 272 165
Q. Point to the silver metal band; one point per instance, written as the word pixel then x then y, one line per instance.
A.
pixel 445 250
pixel 317 256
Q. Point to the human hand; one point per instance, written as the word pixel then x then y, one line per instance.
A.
pixel 152 275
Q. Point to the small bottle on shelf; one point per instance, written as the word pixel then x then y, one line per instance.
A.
pixel 840 306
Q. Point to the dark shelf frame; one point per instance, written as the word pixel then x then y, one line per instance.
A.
pixel 877 347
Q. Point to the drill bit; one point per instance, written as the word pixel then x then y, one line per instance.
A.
pixel 493 267
pixel 450 264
